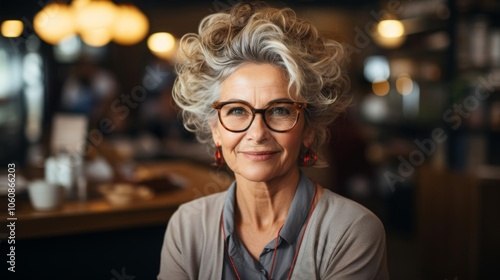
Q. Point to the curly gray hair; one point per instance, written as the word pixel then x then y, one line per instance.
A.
pixel 261 34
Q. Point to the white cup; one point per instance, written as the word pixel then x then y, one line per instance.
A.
pixel 45 196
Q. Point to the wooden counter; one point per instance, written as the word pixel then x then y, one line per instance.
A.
pixel 99 215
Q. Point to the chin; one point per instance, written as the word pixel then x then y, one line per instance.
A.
pixel 261 173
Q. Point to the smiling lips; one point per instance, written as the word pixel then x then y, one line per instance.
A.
pixel 259 156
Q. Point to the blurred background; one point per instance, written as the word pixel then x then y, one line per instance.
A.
pixel 93 79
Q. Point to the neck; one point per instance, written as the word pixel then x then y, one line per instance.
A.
pixel 265 205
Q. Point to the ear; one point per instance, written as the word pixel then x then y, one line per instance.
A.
pixel 308 136
pixel 215 132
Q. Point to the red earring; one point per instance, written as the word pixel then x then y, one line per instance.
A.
pixel 310 157
pixel 219 159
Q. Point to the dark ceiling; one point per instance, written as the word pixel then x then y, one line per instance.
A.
pixel 18 9
pixel 182 16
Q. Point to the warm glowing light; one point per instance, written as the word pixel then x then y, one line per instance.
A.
pixel 389 43
pixel 96 21
pixel 130 26
pixel 53 23
pixel 78 4
pixel 96 37
pixel 12 28
pixel 381 88
pixel 162 44
pixel 96 17
pixel 404 84
pixel 390 33
pixel 390 28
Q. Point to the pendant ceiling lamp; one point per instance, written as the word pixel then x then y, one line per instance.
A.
pixel 98 22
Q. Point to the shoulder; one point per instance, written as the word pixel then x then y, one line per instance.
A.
pixel 201 203
pixel 190 239
pixel 345 213
pixel 345 227
pixel 195 224
pixel 199 209
pixel 346 239
pixel 355 240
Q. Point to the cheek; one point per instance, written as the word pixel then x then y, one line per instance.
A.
pixel 290 143
pixel 228 140
pixel 293 143
pixel 294 146
pixel 299 133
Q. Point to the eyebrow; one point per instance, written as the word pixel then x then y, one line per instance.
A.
pixel 270 102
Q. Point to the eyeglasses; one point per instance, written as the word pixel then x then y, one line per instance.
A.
pixel 279 116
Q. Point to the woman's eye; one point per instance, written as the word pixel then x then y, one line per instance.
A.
pixel 236 111
pixel 279 111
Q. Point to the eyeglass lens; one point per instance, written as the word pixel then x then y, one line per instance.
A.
pixel 277 116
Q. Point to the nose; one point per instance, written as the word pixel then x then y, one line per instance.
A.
pixel 258 130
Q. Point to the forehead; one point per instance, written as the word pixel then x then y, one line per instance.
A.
pixel 255 83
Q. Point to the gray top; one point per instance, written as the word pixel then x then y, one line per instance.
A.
pixel 343 240
pixel 289 237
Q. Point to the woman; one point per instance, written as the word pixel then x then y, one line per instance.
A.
pixel 262 86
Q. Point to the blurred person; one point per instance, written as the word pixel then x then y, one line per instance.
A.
pixel 88 90
pixel 157 114
pixel 261 86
